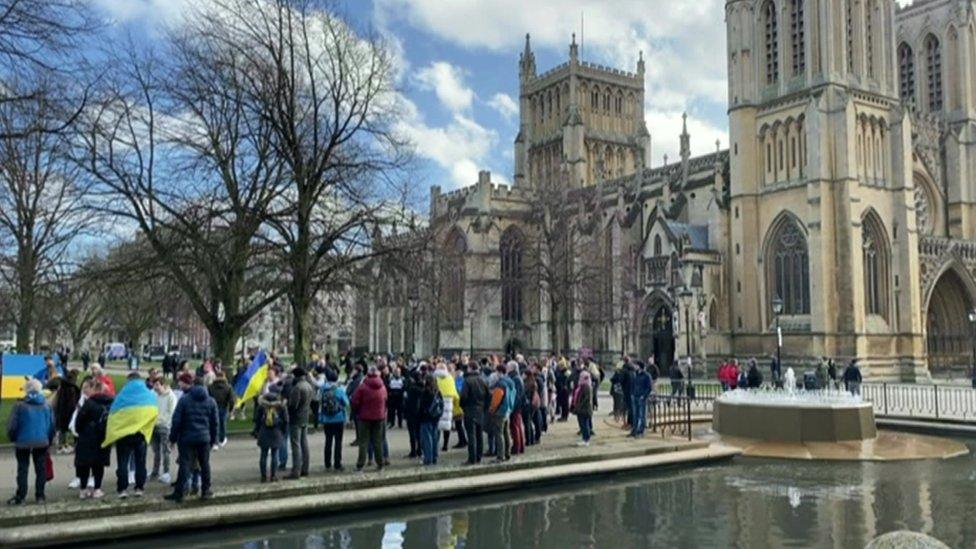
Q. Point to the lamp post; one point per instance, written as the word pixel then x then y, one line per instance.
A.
pixel 414 303
pixel 777 310
pixel 685 295
pixel 972 341
pixel 471 312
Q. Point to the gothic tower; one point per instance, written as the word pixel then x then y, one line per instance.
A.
pixel 821 197
pixel 579 121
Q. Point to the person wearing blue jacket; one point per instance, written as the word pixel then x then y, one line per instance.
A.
pixel 31 429
pixel 639 391
pixel 194 431
pixel 332 416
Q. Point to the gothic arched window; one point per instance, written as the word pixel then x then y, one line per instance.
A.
pixel 849 26
pixel 772 42
pixel 657 245
pixel 511 272
pixel 788 268
pixel 796 36
pixel 875 254
pixel 869 38
pixel 906 73
pixel 452 285
pixel 933 72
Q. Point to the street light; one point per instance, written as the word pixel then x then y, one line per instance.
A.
pixel 414 300
pixel 471 312
pixel 972 340
pixel 685 295
pixel 777 310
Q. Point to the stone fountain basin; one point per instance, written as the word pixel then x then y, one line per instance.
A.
pixel 782 420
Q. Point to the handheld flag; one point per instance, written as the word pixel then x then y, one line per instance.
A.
pixel 133 411
pixel 17 367
pixel 249 384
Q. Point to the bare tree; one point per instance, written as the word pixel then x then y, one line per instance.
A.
pixel 175 149
pixel 43 204
pixel 328 94
pixel 561 228
pixel 39 37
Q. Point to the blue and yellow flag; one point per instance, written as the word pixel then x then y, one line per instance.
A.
pixel 249 384
pixel 133 411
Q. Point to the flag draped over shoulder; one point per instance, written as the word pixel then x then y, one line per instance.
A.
pixel 133 411
pixel 249 384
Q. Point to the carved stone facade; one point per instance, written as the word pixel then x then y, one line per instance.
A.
pixel 848 194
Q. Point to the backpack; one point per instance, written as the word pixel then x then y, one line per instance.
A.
pixel 436 408
pixel 330 402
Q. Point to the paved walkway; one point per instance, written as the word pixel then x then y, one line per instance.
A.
pixel 237 463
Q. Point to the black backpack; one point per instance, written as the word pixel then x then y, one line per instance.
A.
pixel 330 402
pixel 436 407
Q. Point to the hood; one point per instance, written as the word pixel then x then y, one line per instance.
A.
pixel 373 382
pixel 472 374
pixel 440 373
pixel 198 393
pixel 220 381
pixel 34 397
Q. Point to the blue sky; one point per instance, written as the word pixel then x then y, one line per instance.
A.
pixel 457 61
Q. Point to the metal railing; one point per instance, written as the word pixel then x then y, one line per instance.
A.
pixel 901 400
pixel 669 415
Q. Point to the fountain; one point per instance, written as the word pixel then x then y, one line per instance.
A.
pixel 828 424
pixel 794 416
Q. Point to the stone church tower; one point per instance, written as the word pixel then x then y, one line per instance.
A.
pixel 579 117
pixel 822 191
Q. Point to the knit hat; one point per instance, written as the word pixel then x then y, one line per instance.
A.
pixel 186 378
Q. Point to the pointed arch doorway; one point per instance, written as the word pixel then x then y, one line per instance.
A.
pixel 947 325
pixel 657 336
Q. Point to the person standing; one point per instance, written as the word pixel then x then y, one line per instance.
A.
pixel 583 407
pixel 369 405
pixel 91 424
pixel 474 398
pixel 515 418
pixel 413 393
pixel 65 405
pixel 166 402
pixel 223 395
pixel 395 402
pixel 431 408
pixel 299 405
pixel 194 431
pixel 445 383
pixel 500 409
pixel 562 390
pixel 130 425
pixel 270 424
pixel 30 428
pixel 754 378
pixel 852 378
pixel 332 416
pixel 642 387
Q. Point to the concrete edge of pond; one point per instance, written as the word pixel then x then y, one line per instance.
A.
pixel 928 426
pixel 115 527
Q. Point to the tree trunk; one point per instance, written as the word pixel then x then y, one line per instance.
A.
pixel 301 309
pixel 224 338
pixel 25 303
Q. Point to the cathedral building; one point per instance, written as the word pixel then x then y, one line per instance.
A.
pixel 840 221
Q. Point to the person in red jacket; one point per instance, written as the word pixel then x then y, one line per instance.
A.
pixel 369 405
pixel 105 379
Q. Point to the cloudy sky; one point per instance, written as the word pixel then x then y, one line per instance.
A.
pixel 458 61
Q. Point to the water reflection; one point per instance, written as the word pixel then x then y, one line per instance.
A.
pixel 747 503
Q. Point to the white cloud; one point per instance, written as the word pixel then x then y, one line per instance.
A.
pixel 505 105
pixel 447 82
pixel 677 38
pixel 461 148
pixel 666 130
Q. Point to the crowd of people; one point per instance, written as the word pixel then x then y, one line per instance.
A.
pixel 492 407
pixel 823 376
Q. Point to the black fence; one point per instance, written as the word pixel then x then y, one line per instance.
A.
pixel 669 416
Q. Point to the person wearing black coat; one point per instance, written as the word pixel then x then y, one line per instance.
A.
pixel 852 378
pixel 413 390
pixel 474 402
pixel 754 378
pixel 270 430
pixel 90 458
pixel 194 431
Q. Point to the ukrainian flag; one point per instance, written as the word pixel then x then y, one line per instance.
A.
pixel 249 384
pixel 133 411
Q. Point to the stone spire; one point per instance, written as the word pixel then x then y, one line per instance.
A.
pixel 527 60
pixel 685 149
pixel 573 50
pixel 640 62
